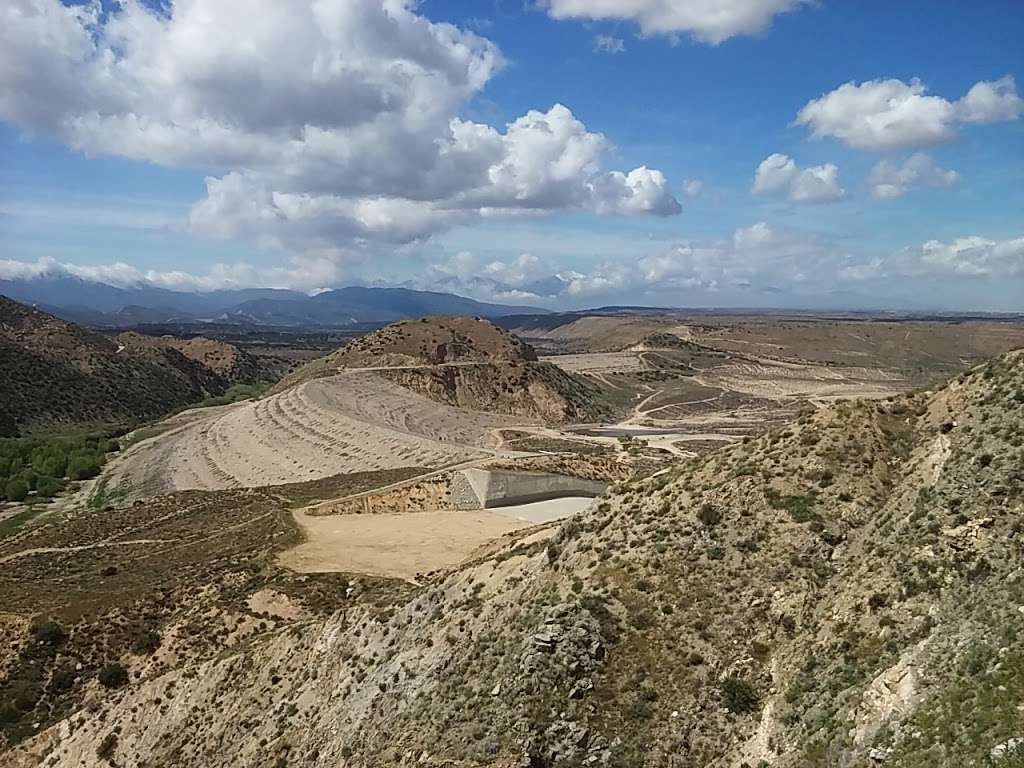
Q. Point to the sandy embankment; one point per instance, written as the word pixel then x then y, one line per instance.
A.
pixel 352 422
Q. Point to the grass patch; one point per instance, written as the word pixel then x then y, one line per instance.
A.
pixel 800 508
pixel 103 495
pixel 235 394
pixel 11 525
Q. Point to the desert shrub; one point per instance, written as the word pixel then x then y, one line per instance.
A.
pixel 553 552
pixel 878 600
pixel 800 508
pixel 145 643
pixel 47 487
pixel 82 466
pixel 709 515
pixel 739 696
pixel 113 675
pixel 106 748
pixel 49 633
pixel 715 552
pixel 63 679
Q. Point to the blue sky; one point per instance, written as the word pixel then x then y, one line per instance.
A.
pixel 104 168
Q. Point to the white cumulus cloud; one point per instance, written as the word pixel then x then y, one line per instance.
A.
pixel 891 114
pixel 693 188
pixel 889 180
pixel 347 134
pixel 816 184
pixel 710 21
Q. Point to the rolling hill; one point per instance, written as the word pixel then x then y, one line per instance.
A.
pixel 466 362
pixel 58 375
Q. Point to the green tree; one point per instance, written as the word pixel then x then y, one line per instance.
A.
pixel 16 490
pixel 82 466
pixel 47 487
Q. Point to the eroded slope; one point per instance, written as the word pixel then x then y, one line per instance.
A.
pixel 842 592
pixel 469 363
pixel 351 422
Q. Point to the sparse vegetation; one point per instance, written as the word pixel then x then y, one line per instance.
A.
pixel 796 582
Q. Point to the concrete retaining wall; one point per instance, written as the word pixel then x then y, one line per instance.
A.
pixel 485 488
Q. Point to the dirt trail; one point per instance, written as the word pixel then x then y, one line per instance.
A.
pixel 82 548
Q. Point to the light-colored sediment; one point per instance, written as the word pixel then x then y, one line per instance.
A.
pixel 547 511
pixel 396 545
pixel 351 422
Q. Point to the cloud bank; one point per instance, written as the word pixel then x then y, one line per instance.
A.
pixel 349 134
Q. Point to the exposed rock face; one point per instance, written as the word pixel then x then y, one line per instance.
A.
pixel 488 488
pixel 538 391
pixel 468 363
pixel 792 597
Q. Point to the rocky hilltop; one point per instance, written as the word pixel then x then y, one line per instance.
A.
pixel 58 375
pixel 845 591
pixel 434 341
pixel 469 363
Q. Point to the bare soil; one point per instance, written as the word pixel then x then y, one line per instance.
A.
pixel 352 422
pixel 396 545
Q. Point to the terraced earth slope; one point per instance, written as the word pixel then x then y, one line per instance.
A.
pixel 354 421
pixel 845 591
pixel 57 375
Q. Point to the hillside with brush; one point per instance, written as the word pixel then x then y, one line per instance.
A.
pixel 468 363
pixel 58 376
pixel 843 592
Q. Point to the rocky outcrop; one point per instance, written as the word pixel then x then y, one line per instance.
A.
pixel 539 391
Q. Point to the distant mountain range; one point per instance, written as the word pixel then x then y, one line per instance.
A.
pixel 101 305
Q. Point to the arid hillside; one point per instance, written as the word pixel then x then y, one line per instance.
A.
pixel 58 375
pixel 469 363
pixel 226 360
pixel 843 591
pixel 432 341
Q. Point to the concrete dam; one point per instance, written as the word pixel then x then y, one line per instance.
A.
pixel 488 488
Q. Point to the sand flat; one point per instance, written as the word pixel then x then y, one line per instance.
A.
pixel 395 545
